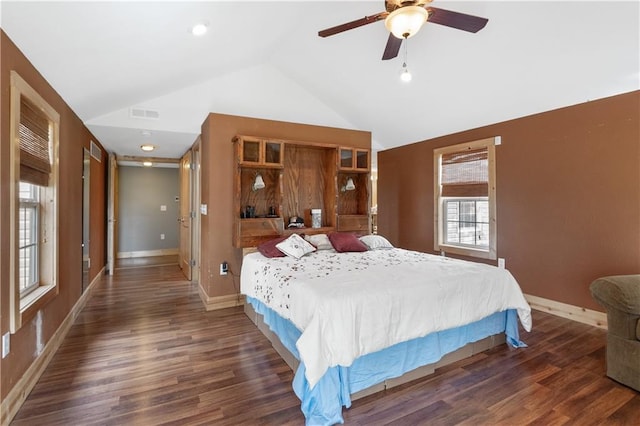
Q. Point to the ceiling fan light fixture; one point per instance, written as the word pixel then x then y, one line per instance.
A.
pixel 405 75
pixel 406 21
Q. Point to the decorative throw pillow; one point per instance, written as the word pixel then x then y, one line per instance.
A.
pixel 295 246
pixel 344 241
pixel 269 249
pixel 320 241
pixel 376 242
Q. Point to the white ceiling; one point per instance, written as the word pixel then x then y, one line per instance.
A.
pixel 264 59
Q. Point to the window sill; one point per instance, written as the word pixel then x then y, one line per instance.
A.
pixel 468 251
pixel 34 301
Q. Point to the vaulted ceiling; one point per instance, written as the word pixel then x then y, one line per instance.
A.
pixel 264 59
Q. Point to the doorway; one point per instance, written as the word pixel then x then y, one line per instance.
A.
pixel 186 216
pixel 190 213
pixel 112 213
pixel 86 191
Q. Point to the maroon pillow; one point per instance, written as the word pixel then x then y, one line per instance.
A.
pixel 269 249
pixel 345 241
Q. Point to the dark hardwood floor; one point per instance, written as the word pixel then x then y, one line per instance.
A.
pixel 145 352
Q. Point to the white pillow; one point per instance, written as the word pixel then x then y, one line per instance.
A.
pixel 321 241
pixel 295 246
pixel 376 242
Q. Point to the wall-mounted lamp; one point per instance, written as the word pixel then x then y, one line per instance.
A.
pixel 258 183
pixel 349 186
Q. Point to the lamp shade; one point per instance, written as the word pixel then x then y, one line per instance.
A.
pixel 406 21
pixel 349 186
pixel 258 183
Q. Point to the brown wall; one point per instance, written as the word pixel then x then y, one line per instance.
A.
pixel 25 344
pixel 218 164
pixel 568 195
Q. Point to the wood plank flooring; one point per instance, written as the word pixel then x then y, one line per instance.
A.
pixel 145 352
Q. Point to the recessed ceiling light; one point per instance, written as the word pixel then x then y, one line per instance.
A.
pixel 199 29
pixel 147 147
pixel 147 163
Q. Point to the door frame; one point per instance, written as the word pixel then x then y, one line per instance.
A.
pixel 195 208
pixel 112 213
pixel 185 219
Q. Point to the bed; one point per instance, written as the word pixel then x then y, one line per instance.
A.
pixel 352 322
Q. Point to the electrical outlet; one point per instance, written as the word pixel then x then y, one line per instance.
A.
pixel 162 236
pixel 501 262
pixel 6 343
pixel 224 268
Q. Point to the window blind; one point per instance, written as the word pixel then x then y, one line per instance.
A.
pixel 465 173
pixel 35 160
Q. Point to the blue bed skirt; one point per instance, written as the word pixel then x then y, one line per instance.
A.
pixel 323 404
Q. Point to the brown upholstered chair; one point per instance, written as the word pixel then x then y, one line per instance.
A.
pixel 620 296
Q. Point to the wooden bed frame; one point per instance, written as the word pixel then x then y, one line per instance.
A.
pixel 426 370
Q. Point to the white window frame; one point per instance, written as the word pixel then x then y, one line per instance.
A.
pixel 23 307
pixel 33 271
pixel 475 222
pixel 440 245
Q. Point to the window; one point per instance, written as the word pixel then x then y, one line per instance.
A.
pixel 34 127
pixel 28 231
pixel 466 221
pixel 464 199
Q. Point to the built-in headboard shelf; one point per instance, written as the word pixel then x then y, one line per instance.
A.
pixel 298 177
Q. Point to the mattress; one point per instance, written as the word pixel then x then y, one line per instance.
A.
pixel 348 305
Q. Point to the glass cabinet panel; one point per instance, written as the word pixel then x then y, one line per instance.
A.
pixel 346 158
pixel 273 152
pixel 362 160
pixel 251 151
pixel 354 159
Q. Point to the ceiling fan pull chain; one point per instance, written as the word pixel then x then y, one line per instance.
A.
pixel 406 42
pixel 405 75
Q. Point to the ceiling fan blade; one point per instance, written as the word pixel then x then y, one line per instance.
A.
pixel 392 48
pixel 460 21
pixel 353 24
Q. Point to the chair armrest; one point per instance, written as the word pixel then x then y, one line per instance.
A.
pixel 620 292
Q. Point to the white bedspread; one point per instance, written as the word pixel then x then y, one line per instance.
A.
pixel 351 304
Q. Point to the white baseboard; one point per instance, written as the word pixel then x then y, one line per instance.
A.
pixel 147 253
pixel 18 394
pixel 575 313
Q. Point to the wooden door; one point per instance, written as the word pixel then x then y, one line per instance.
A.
pixel 185 214
pixel 86 193
pixel 112 214
pixel 195 208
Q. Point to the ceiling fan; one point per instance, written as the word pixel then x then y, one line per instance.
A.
pixel 403 19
